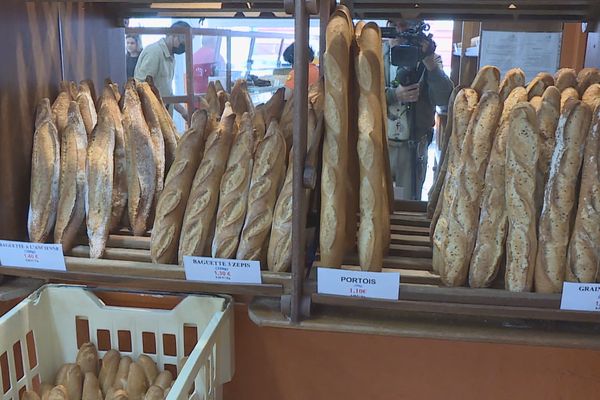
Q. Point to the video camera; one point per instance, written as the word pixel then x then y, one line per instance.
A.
pixel 409 53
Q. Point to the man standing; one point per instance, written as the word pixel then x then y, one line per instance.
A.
pixel 411 115
pixel 158 61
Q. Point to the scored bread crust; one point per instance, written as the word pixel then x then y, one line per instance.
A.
pixel 60 108
pixel 268 173
pixel 587 77
pixel 204 195
pixel 538 84
pixel 464 106
pixel 521 174
pixel 564 78
pixel 491 233
pixel 512 79
pixel 583 256
pixel 487 79
pixel 559 197
pixel 568 93
pixel 463 215
pixel 548 113
pixel 233 194
pixel 591 95
pixel 214 107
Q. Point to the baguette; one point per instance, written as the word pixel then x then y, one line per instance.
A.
pixel 158 143
pixel 167 126
pixel 87 85
pixel 219 86
pixel 87 358
pixel 136 382
pixel 559 197
pixel 117 394
pixel 464 106
pixel 88 111
pixel 30 395
pixel 258 121
pixel 487 79
pixel 240 99
pixel 568 93
pixel 547 114
pixel 45 389
pixel 71 377
pixel 274 107
pixel 71 210
pixel 463 215
pixel 99 188
pixel 583 256
pixel 513 79
pixel 108 370
pixel 170 209
pixel 591 95
pixel 521 208
pixel 164 379
pixel 267 175
pixel 204 194
pixel 233 194
pixel 45 175
pixel 120 381
pixel 142 162
pixel 586 78
pixel 213 100
pixel 491 234
pixel 286 122
pixel 149 367
pixel 538 85
pixel 91 388
pixel 335 145
pixel 59 392
pixel 154 393
pixel 536 101
pixel 223 100
pixel 60 108
pixel 565 78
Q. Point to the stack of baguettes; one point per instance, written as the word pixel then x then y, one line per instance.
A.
pixel 228 194
pixel 355 169
pixel 519 188
pixel 92 161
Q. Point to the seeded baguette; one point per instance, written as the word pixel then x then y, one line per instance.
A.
pixel 564 78
pixel 568 93
pixel 587 77
pixel 487 79
pixel 167 126
pixel 538 84
pixel 513 79
pixel 591 95
pixel 60 108
pixel 548 113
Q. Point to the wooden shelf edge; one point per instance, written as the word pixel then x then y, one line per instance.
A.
pixel 12 288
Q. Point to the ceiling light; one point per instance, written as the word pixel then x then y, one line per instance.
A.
pixel 512 6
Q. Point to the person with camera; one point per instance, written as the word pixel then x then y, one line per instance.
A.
pixel 419 86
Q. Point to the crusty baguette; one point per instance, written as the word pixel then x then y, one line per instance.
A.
pixel 286 121
pixel 30 395
pixel 99 188
pixel 108 370
pixel 548 113
pixel 568 93
pixel 149 367
pixel 564 78
pixel 88 111
pixel 71 377
pixel 463 215
pixel 171 205
pixel 591 95
pixel 59 392
pixel 91 388
pixel 258 121
pixel 71 208
pixel 487 79
pixel 512 79
pixel 583 256
pixel 167 126
pixel 223 100
pixel 464 106
pixel 587 77
pixel 240 99
pixel 88 86
pixel 45 175
pixel 136 382
pixel 87 358
pixel 559 197
pixel 522 151
pixel 219 86
pixel 335 145
pixel 267 175
pixel 491 233
pixel 60 108
pixel 120 381
pixel 536 101
pixel 538 84
pixel 141 164
pixel 204 194
pixel 274 107
pixel 155 393
pixel 213 100
pixel 117 394
pixel 233 194
pixel 164 379
pixel 151 115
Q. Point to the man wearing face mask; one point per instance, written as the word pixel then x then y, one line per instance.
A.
pixel 158 61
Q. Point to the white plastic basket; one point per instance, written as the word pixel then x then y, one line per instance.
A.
pixel 41 333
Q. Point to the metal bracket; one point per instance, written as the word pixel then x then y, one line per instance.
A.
pixel 305 306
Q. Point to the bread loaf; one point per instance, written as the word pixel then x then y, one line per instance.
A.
pixel 219 86
pixel 164 379
pixel 258 121
pixel 279 257
pixel 223 100
pixel 463 215
pixel 149 367
pixel 141 164
pixel 591 95
pixel 586 78
pixel 117 394
pixel 171 205
pixel 45 389
pixel 98 193
pixel 548 113
pixel 487 78
pixel 335 145
pixel 565 78
pixel 568 93
pixel 464 106
pixel 154 393
pixel 71 377
pixel 521 169
pixel 88 111
pixel 202 202
pixel 45 175
pixel 87 358
pixel 136 382
pixel 71 209
pixel 559 197
pixel 60 108
pixel 536 101
pixel 538 85
pixel 583 256
pixel 108 371
pixel 58 392
pixel 267 176
pixel 491 233
pixel 513 79
pixel 91 388
pixel 211 97
pixel 233 193
pixel 30 395
pixel 240 99
pixel 274 107
pixel 122 373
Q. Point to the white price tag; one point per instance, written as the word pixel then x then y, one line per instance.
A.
pixel 580 296
pixel 376 285
pixel 219 270
pixel 32 255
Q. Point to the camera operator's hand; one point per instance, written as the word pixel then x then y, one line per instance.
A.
pixel 407 94
pixel 430 62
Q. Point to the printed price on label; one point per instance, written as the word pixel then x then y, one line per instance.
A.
pixel 206 269
pixel 580 296
pixel 32 255
pixel 376 285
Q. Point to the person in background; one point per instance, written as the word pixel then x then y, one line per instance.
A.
pixel 432 89
pixel 158 61
pixel 313 70
pixel 133 44
pixel 207 62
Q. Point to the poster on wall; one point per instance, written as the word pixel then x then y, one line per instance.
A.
pixel 533 52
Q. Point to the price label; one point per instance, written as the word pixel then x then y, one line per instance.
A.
pixel 376 285
pixel 32 255
pixel 219 270
pixel 580 296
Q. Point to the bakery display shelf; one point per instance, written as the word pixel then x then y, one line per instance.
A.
pixel 127 263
